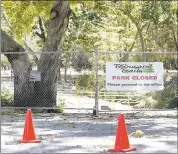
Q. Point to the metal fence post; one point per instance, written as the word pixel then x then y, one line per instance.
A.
pixel 95 109
pixel 0 60
pixel 145 56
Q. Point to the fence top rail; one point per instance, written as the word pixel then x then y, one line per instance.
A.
pixel 120 52
pixel 108 52
pixel 49 52
pixel 131 110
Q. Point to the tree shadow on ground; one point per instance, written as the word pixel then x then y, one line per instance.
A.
pixel 54 132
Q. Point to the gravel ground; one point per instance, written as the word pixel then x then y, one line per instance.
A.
pixel 82 133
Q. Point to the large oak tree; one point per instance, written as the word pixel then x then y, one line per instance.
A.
pixel 122 26
pixel 41 93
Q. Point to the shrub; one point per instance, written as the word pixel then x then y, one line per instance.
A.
pixel 7 98
pixel 164 97
pixel 146 102
pixel 160 99
pixel 88 81
pixel 61 105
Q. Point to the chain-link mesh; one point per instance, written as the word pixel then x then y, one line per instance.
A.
pixel 163 99
pixel 68 80
pixel 48 80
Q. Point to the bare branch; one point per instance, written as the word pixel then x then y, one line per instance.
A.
pixel 38 34
pixel 6 19
pixel 42 29
pixel 42 34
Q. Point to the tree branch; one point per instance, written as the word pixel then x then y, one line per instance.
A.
pixel 38 34
pixel 42 29
pixel 4 15
pixel 175 38
pixel 133 42
pixel 139 29
pixel 73 14
pixel 6 19
pixel 27 47
pixel 30 50
pixel 9 45
pixel 42 34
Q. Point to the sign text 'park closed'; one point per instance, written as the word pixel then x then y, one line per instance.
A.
pixel 134 76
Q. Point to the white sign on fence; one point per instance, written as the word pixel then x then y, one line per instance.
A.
pixel 134 76
pixel 35 76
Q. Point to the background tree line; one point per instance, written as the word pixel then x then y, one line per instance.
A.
pixel 48 26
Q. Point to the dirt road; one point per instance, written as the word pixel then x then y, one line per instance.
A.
pixel 81 133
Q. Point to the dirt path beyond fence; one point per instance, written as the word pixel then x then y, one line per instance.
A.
pixel 82 133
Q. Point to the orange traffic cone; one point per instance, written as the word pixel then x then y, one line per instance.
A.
pixel 29 133
pixel 122 140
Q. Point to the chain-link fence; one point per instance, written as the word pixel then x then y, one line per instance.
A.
pixel 76 80
pixel 165 98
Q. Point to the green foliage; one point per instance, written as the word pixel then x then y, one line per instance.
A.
pixel 23 14
pixel 7 98
pixel 136 58
pixel 164 98
pixel 159 12
pixel 61 105
pixel 108 25
pixel 159 99
pixel 4 61
pixel 82 29
pixel 81 61
pixel 88 81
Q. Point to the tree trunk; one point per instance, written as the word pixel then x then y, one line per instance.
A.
pixel 59 77
pixel 48 65
pixel 65 73
pixel 139 30
pixel 142 42
pixel 23 88
pixel 175 38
